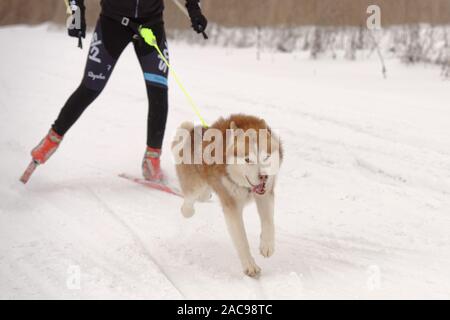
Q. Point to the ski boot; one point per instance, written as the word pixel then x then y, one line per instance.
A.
pixel 42 152
pixel 151 169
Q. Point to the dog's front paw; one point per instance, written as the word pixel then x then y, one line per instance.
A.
pixel 267 248
pixel 206 196
pixel 187 210
pixel 251 269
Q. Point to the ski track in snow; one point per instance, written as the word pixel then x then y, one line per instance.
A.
pixel 136 239
pixel 363 198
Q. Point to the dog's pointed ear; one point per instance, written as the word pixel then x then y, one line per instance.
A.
pixel 233 125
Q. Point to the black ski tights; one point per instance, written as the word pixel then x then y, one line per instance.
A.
pixel 109 40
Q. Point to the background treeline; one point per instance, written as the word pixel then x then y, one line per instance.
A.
pixel 248 13
pixel 415 31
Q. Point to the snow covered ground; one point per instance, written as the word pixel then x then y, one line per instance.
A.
pixel 363 201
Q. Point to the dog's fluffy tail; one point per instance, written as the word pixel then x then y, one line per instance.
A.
pixel 181 135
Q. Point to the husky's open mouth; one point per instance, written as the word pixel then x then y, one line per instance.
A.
pixel 259 188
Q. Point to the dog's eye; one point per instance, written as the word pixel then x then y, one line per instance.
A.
pixel 247 159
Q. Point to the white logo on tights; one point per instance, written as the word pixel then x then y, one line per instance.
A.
pixel 94 76
pixel 94 51
pixel 162 65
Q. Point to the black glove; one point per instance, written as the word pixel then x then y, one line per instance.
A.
pixel 198 20
pixel 77 27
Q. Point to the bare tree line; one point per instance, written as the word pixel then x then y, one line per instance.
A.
pixel 325 12
pixel 248 13
pixel 414 43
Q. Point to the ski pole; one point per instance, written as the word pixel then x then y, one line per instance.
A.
pixel 186 13
pixel 150 38
pixel 69 12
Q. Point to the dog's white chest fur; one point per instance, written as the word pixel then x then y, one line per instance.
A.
pixel 236 191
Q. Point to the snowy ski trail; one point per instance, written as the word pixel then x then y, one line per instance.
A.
pixel 363 198
pixel 137 240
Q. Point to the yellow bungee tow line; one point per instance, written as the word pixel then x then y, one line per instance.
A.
pixel 150 38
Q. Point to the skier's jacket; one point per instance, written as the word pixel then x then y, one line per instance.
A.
pixel 149 10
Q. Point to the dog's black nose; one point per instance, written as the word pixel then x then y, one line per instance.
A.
pixel 263 177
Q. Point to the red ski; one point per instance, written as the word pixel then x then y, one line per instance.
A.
pixel 29 171
pixel 153 185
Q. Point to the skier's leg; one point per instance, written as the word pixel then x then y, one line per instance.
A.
pixel 109 40
pixel 74 107
pixel 155 75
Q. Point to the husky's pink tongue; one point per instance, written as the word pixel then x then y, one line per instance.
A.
pixel 260 188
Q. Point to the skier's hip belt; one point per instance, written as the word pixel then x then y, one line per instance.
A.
pixel 124 21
